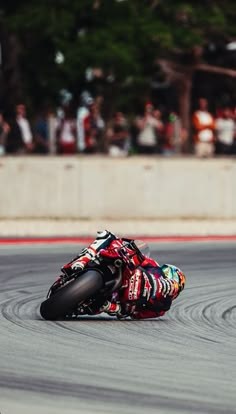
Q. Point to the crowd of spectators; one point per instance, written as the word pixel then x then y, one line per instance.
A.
pixel 214 135
pixel 86 132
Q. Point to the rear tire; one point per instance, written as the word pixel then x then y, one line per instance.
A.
pixel 66 298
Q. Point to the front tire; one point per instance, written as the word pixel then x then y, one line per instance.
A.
pixel 68 297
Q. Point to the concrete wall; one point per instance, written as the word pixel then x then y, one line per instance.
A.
pixel 100 187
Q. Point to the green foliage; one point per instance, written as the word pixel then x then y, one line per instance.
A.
pixel 122 38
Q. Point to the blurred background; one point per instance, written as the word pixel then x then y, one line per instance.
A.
pixel 120 62
pixel 151 82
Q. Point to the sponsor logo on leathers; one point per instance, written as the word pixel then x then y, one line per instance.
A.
pixel 147 287
pixel 134 285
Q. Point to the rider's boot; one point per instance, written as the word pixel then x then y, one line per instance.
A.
pixel 111 308
pixel 102 241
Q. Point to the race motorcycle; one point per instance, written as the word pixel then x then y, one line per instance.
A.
pixel 84 291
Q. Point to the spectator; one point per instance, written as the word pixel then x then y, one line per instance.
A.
pixel 15 143
pixel 174 136
pixel 85 140
pixel 97 126
pixel 4 131
pixel 147 136
pixel 41 134
pixel 118 136
pixel 225 132
pixel 160 128
pixel 204 125
pixel 66 134
pixel 25 128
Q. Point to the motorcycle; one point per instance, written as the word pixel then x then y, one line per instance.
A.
pixel 83 292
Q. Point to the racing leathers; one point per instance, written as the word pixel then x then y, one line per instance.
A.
pixel 146 292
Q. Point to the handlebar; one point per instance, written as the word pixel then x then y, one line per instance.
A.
pixel 129 253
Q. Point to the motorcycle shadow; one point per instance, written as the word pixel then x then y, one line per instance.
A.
pixel 92 318
pixel 99 318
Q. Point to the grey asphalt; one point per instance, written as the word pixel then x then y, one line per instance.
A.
pixel 185 362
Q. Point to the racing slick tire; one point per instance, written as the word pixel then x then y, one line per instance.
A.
pixel 66 298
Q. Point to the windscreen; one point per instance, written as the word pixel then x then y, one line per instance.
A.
pixel 143 247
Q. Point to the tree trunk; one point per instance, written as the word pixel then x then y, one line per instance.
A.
pixel 11 73
pixel 184 88
pixel 181 76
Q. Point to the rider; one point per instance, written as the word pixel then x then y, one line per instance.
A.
pixel 148 289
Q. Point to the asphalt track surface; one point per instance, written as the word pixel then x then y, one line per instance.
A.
pixel 184 362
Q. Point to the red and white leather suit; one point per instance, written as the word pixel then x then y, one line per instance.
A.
pixel 145 292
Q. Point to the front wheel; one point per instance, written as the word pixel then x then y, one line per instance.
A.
pixel 69 296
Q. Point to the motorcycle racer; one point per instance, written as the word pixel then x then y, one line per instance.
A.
pixel 148 288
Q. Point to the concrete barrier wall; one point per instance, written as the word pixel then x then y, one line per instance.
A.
pixel 100 187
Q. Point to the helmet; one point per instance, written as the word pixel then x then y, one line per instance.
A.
pixel 174 273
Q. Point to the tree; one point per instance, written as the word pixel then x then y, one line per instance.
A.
pixel 202 27
pixel 116 47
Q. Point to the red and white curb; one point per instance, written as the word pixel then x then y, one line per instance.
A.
pixel 87 240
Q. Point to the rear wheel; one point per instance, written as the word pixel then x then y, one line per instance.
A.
pixel 69 296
